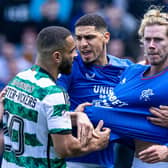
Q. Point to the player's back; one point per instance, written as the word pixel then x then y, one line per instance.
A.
pixel 25 121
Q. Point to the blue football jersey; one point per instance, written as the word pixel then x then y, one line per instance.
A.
pixel 126 108
pixel 90 83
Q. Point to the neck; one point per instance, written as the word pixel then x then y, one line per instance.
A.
pixel 102 61
pixel 50 69
pixel 155 69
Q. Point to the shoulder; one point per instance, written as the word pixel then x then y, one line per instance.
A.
pixel 137 68
pixel 55 95
pixel 119 62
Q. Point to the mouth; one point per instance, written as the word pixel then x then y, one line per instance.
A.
pixel 153 54
pixel 86 53
pixel 153 57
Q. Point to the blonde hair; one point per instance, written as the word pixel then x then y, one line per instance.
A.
pixel 153 17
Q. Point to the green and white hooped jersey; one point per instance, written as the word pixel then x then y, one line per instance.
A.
pixel 34 108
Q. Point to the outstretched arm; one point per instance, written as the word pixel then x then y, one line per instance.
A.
pixel 69 146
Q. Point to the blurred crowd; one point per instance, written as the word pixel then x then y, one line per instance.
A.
pixel 21 20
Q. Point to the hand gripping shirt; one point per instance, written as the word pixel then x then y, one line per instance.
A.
pixel 125 110
pixel 34 108
pixel 90 83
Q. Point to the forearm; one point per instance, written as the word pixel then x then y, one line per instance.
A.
pixel 76 149
pixel 72 148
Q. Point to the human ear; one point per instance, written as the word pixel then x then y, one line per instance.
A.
pixel 107 36
pixel 57 58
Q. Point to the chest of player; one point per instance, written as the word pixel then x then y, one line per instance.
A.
pixel 135 90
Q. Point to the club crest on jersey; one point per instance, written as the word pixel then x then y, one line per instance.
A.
pixel 90 76
pixel 146 94
pixel 123 81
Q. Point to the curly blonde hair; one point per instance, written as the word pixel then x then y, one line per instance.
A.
pixel 154 16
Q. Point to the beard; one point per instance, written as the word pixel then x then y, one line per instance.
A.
pixel 90 62
pixel 95 59
pixel 160 61
pixel 65 67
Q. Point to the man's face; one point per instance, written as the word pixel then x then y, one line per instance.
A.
pixel 68 55
pixel 91 43
pixel 156 44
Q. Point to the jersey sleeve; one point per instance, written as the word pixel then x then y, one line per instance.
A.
pixel 56 105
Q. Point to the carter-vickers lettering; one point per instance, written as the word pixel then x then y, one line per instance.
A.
pixel 21 97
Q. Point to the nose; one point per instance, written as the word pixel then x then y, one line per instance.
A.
pixel 152 44
pixel 84 42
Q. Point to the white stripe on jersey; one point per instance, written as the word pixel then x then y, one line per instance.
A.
pixel 29 75
pixel 55 98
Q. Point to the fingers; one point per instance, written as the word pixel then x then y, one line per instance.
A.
pixel 163 107
pixel 149 158
pixel 156 121
pixel 99 125
pixel 103 135
pixel 90 133
pixel 161 116
pixel 84 128
pixel 160 112
pixel 102 130
pixel 164 110
pixel 80 108
pixel 80 134
pixel 2 95
pixel 148 155
pixel 156 112
pixel 98 129
pixel 153 154
pixel 146 152
pixel 84 132
pixel 107 130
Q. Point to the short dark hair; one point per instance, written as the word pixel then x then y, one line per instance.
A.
pixel 50 39
pixel 92 20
